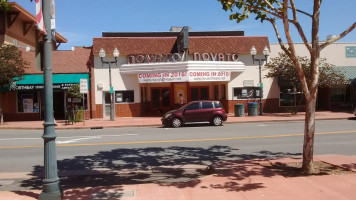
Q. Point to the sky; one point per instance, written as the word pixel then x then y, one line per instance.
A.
pixel 79 21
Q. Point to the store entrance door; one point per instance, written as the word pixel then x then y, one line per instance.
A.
pixel 107 102
pixel 58 105
pixel 161 100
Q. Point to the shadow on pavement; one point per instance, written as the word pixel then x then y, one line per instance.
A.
pixel 180 167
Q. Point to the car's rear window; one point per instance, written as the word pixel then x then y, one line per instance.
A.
pixel 217 104
pixel 207 105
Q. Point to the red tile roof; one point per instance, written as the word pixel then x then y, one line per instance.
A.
pixel 166 45
pixel 76 61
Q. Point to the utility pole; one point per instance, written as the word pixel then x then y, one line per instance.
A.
pixel 50 190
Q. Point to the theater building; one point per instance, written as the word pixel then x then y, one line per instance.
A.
pixel 156 72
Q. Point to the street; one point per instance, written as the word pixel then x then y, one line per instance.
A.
pixel 79 149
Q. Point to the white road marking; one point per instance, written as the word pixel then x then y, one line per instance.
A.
pixel 76 140
pixel 62 140
pixel 6 182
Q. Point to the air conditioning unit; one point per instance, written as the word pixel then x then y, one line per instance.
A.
pixel 100 86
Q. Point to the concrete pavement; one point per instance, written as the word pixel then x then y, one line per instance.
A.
pixel 245 180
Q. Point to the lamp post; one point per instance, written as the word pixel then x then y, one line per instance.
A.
pixel 260 62
pixel 50 187
pixel 102 55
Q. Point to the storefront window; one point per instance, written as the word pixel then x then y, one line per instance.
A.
pixel 199 93
pixel 338 95
pixel 290 96
pixel 124 96
pixel 246 93
pixel 27 102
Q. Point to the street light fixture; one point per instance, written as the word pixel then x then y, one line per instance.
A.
pixel 102 55
pixel 260 62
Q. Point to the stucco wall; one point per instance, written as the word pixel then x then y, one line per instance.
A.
pixel 334 53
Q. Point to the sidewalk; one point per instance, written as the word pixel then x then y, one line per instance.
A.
pixel 156 121
pixel 237 180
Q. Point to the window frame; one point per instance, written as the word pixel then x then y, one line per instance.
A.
pixel 126 94
pixel 255 94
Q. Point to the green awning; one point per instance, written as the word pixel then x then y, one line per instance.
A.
pixel 37 79
pixel 36 82
pixel 348 71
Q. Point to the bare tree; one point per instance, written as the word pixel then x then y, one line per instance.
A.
pixel 287 12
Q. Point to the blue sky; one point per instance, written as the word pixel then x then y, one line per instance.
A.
pixel 81 20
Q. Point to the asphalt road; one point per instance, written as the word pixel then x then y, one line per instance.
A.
pixel 22 150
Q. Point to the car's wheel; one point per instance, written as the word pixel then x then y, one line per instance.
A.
pixel 176 122
pixel 217 121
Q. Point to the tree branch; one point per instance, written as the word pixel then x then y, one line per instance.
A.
pixel 270 6
pixel 283 46
pixel 343 34
pixel 293 52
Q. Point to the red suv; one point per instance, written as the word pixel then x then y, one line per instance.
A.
pixel 196 112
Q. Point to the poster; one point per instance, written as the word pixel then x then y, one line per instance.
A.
pixel 180 94
pixel 27 105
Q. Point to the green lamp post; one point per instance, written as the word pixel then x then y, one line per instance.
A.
pixel 260 62
pixel 50 190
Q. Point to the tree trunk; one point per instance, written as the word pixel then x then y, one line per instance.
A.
pixel 1 113
pixel 309 130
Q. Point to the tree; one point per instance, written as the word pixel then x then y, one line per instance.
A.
pixel 74 92
pixel 11 66
pixel 283 68
pixel 286 12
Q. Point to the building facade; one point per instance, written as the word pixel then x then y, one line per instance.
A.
pixel 157 72
pixel 343 57
pixel 24 99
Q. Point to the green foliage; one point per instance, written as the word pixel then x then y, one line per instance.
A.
pixel 74 91
pixel 11 64
pixel 4 5
pixel 79 115
pixel 244 8
pixel 75 115
pixel 283 68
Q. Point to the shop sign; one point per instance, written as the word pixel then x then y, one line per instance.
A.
pixel 83 86
pixel 189 76
pixel 163 77
pixel 215 57
pixel 198 76
pixel 158 58
pixel 350 51
pixel 60 86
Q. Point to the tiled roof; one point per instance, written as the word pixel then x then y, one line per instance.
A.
pixel 135 45
pixel 234 44
pixel 166 45
pixel 62 61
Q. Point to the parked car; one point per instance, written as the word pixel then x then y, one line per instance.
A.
pixel 196 112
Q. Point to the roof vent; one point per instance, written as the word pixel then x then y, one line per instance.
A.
pixel 329 37
pixel 178 29
pixel 73 48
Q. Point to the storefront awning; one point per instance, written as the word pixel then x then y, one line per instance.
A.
pixel 36 81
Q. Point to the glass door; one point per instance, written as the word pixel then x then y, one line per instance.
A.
pixel 107 102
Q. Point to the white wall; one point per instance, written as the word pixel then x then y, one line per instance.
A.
pixel 270 89
pixel 335 53
pixel 119 81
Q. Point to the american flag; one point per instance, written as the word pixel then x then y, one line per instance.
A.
pixel 39 17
